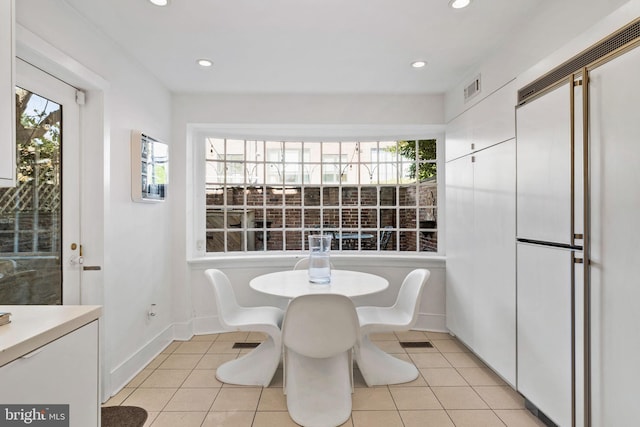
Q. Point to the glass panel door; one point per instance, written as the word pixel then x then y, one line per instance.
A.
pixel 34 240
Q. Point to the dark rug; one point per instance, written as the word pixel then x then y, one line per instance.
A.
pixel 123 416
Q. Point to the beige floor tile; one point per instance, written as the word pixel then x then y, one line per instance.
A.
pixel 430 418
pixel 418 382
pixel 376 419
pixel 449 346
pixel 403 356
pixel 256 336
pixel 119 397
pixel 202 378
pixel 171 347
pixel 463 360
pixel 372 399
pixel 518 418
pixel 459 398
pixel 151 399
pixel 181 361
pixel 229 419
pixel 192 399
pixel 480 376
pixel 151 416
pixel 429 360
pixel 223 347
pixel 500 397
pixel 205 337
pixel 475 418
pixel 212 361
pixel 182 419
pixel 183 390
pixel 390 347
pixel 272 399
pixel 442 377
pixel 172 378
pixel 157 361
pixel 193 347
pixel 237 399
pixel 439 335
pixel 383 336
pixel 273 419
pixel 411 336
pixel 233 336
pixel 408 398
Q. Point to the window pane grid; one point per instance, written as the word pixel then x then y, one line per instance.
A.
pixel 371 195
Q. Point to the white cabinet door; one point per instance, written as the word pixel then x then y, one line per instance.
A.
pixel 64 371
pixel 460 257
pixel 494 243
pixel 544 167
pixel 481 279
pixel 615 233
pixel 544 329
pixel 7 97
pixel 485 124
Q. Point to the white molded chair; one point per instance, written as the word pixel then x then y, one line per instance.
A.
pixel 318 333
pixel 378 367
pixel 303 263
pixel 258 366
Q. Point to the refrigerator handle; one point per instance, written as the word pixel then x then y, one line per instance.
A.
pixel 586 254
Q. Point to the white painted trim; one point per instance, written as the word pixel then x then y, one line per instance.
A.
pixel 183 331
pixel 40 53
pixel 431 322
pixel 315 132
pixel 207 325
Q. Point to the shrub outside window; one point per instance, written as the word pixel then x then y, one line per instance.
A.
pixel 369 195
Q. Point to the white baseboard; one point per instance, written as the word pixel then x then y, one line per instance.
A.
pixel 431 322
pixel 206 325
pixel 127 370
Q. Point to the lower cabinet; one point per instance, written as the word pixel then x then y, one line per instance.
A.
pixel 481 254
pixel 64 371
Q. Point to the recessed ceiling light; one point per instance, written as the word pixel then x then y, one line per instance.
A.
pixel 160 2
pixel 418 64
pixel 459 4
pixel 204 62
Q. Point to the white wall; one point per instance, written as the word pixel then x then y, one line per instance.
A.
pixel 130 241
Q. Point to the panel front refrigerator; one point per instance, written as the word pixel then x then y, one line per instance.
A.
pixel 549 250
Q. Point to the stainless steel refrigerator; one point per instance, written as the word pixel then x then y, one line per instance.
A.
pixel 578 234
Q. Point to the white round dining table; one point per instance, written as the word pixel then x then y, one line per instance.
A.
pixel 295 283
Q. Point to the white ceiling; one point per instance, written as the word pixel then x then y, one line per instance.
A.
pixel 309 46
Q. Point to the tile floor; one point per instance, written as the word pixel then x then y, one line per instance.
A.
pixel 179 389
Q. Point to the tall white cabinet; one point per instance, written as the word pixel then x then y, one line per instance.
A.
pixel 7 90
pixel 480 240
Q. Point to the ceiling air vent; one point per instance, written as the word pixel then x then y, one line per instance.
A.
pixel 472 89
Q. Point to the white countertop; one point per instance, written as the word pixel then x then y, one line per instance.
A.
pixel 33 326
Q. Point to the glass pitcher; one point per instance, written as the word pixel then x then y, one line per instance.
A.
pixel 319 263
